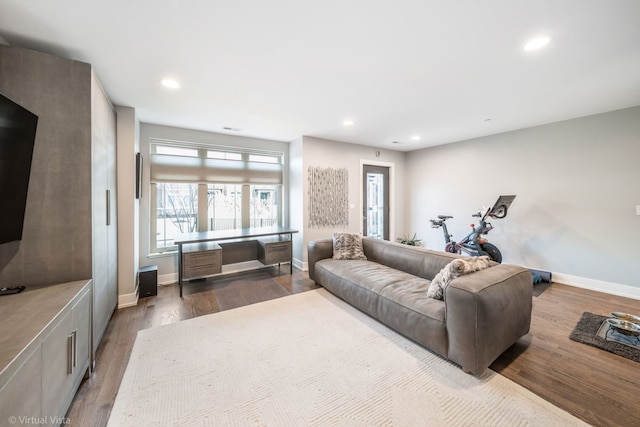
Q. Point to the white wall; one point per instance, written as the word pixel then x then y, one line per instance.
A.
pixel 168 263
pixel 296 200
pixel 577 187
pixel 316 152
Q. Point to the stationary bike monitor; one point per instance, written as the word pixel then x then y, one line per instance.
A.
pixel 501 206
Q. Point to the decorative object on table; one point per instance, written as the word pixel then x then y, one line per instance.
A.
pixel 626 316
pixel 622 327
pixel 596 330
pixel 328 197
pixel 411 241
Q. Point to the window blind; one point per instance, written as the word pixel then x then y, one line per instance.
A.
pixel 199 168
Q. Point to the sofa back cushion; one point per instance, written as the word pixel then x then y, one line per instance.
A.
pixel 422 262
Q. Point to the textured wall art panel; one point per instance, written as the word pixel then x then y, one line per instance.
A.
pixel 328 197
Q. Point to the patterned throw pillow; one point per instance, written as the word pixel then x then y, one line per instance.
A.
pixel 456 268
pixel 347 246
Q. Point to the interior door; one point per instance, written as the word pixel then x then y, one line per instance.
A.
pixel 375 201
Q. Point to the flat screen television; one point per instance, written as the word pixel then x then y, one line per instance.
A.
pixel 17 138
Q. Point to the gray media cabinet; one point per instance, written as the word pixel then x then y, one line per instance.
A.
pixel 45 351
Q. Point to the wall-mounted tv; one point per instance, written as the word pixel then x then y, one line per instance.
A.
pixel 17 138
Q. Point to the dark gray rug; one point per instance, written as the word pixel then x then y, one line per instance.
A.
pixel 586 332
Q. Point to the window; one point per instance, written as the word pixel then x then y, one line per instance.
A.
pixel 225 207
pixel 176 151
pixel 264 205
pixel 263 159
pixel 176 212
pixel 200 188
pixel 224 155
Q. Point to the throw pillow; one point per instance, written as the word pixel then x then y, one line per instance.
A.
pixel 456 268
pixel 347 246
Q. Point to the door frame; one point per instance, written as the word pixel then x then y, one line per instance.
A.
pixel 392 194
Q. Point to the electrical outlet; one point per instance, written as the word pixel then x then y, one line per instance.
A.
pixel 637 209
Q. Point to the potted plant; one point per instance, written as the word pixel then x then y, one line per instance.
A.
pixel 411 241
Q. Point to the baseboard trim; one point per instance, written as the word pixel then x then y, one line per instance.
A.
pixel 128 300
pixel 597 285
pixel 304 266
pixel 167 279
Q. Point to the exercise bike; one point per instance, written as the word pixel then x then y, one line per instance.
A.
pixel 473 244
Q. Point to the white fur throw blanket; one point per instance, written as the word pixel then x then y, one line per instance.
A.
pixel 456 268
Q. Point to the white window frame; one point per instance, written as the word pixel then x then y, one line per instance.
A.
pixel 221 153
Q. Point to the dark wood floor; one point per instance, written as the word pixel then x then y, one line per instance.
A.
pixel 596 386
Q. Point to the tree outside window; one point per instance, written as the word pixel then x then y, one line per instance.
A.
pixel 176 213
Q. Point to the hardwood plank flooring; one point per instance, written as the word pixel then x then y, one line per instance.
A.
pixel 596 386
pixel 599 387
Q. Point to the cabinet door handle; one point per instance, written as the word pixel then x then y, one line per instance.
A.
pixel 70 354
pixel 108 207
pixel 74 334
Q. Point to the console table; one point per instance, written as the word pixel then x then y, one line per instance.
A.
pixel 202 254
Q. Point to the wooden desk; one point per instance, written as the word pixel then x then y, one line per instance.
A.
pixel 240 244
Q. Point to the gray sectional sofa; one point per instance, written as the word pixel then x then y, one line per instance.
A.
pixel 482 314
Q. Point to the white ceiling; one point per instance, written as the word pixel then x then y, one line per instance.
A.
pixel 279 69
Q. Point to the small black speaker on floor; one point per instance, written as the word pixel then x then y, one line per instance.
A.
pixel 148 281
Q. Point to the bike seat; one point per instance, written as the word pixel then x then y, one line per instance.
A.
pixel 444 216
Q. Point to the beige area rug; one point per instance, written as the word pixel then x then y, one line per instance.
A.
pixel 309 360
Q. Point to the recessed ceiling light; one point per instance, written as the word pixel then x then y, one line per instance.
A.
pixel 537 43
pixel 170 83
pixel 347 123
pixel 415 138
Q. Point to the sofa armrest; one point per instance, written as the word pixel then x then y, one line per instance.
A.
pixel 317 250
pixel 487 312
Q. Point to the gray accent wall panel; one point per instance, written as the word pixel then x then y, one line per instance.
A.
pixel 56 245
pixel 66 236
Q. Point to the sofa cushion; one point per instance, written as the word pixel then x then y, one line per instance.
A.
pixel 419 261
pixel 455 268
pixel 348 246
pixel 394 297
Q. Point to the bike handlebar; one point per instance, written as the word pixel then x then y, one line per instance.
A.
pixel 435 224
